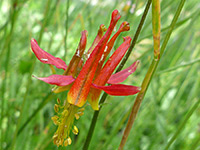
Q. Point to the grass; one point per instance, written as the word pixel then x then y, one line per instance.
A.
pixel 169 114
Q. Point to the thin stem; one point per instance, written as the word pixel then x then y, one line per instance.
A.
pixel 93 123
pixel 66 29
pixel 29 79
pixel 179 66
pixel 147 79
pixel 181 126
pixel 196 143
pixel 42 104
pixel 137 103
pixel 178 24
pixel 139 28
pixel 103 98
pixel 7 46
pixel 156 27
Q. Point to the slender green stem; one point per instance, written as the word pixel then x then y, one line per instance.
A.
pixel 148 78
pixel 117 128
pixel 93 123
pixel 181 126
pixel 196 143
pixel 156 27
pixel 179 66
pixel 3 27
pixel 134 41
pixel 66 28
pixel 29 79
pixel 178 24
pixel 7 46
pixel 41 105
pixel 103 98
pixel 137 103
pixel 44 21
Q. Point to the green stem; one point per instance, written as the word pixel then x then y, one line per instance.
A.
pixel 178 24
pixel 179 66
pixel 93 123
pixel 182 124
pixel 148 78
pixel 118 127
pixel 156 27
pixel 42 104
pixel 7 46
pixel 134 41
pixel 29 79
pixel 195 143
pixel 66 29
pixel 103 98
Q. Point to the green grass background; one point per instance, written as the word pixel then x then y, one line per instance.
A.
pixel 171 102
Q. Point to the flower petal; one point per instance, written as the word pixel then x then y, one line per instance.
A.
pixel 60 80
pixel 123 27
pixel 81 87
pixel 122 75
pixel 118 89
pixel 101 30
pixel 93 98
pixel 73 66
pixel 47 58
pixel 112 63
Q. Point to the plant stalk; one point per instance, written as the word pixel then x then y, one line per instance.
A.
pixel 66 29
pixel 29 79
pixel 103 98
pixel 148 78
pixel 156 28
pixel 181 126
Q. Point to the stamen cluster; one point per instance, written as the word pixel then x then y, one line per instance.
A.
pixel 65 120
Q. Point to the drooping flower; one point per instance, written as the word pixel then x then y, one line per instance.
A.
pixel 85 81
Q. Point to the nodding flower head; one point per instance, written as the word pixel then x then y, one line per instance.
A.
pixel 86 80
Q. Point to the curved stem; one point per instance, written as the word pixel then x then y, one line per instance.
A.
pixel 148 78
pixel 103 98
pixel 181 126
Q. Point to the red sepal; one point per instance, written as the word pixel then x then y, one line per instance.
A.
pixel 47 58
pixel 122 75
pixel 59 80
pixel 118 89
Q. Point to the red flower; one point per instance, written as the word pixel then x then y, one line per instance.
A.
pixel 88 80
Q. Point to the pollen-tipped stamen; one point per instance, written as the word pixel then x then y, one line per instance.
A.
pixel 58 100
pixel 68 141
pixel 75 130
pixel 56 108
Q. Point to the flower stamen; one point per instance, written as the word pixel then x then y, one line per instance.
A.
pixel 75 130
pixel 64 121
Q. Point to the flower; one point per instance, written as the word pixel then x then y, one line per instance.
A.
pixel 87 80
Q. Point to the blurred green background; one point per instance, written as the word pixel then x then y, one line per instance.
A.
pixel 173 93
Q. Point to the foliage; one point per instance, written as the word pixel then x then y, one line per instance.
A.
pixel 171 104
